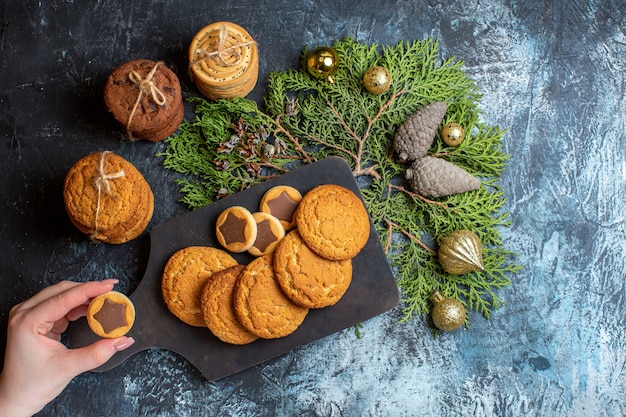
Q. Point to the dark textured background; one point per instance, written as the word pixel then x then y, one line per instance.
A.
pixel 552 73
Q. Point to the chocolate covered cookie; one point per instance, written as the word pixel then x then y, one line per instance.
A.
pixel 111 315
pixel 269 232
pixel 281 202
pixel 236 229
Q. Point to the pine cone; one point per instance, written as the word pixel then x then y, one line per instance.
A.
pixel 415 136
pixel 434 177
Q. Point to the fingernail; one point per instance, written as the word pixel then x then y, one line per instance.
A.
pixel 124 343
pixel 110 281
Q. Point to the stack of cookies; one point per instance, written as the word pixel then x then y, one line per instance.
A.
pixel 223 61
pixel 107 198
pixel 145 97
pixel 309 268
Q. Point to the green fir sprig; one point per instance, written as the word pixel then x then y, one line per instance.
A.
pixel 232 145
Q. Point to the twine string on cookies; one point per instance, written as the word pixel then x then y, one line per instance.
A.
pixel 147 87
pixel 102 182
pixel 221 52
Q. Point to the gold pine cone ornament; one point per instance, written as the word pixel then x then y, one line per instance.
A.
pixel 461 252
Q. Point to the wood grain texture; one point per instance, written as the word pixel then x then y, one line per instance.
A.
pixel 552 73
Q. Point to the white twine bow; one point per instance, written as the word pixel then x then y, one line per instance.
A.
pixel 147 87
pixel 102 181
pixel 221 53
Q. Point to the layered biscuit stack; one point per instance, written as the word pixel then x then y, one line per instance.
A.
pixel 223 61
pixel 107 198
pixel 145 97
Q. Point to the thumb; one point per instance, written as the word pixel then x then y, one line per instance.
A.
pixel 96 354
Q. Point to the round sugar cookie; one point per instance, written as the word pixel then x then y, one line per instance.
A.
pixel 281 202
pixel 269 233
pixel 333 222
pixel 111 315
pixel 261 305
pixel 218 309
pixel 236 229
pixel 184 277
pixel 306 278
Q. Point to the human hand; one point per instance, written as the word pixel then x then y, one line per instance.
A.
pixel 37 366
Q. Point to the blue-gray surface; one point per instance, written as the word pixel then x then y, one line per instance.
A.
pixel 552 73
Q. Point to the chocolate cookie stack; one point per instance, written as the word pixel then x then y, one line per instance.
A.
pixel 145 97
pixel 223 61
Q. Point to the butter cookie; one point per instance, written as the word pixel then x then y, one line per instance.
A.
pixel 185 274
pixel 333 222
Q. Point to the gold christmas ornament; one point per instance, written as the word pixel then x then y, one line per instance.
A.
pixel 448 314
pixel 376 80
pixel 452 134
pixel 461 252
pixel 322 62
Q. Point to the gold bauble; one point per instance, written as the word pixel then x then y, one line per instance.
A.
pixel 452 134
pixel 322 62
pixel 376 80
pixel 461 252
pixel 448 314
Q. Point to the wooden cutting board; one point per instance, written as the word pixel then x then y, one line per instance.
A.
pixel 373 289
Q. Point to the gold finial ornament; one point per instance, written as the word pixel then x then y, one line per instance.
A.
pixel 322 62
pixel 461 252
pixel 448 314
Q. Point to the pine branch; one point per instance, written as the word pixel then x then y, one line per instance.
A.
pixel 232 145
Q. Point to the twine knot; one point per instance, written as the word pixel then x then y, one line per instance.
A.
pixel 222 53
pixel 102 182
pixel 147 87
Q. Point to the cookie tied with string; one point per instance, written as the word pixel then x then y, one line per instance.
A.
pixel 107 198
pixel 145 97
pixel 223 61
